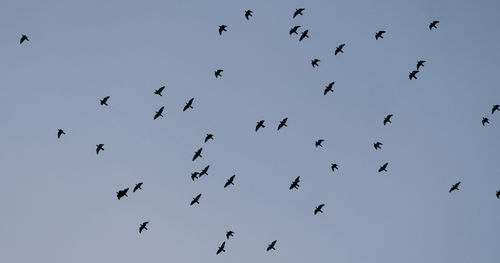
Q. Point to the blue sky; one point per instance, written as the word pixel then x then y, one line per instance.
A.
pixel 58 197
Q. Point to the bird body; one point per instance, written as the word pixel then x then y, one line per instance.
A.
pixel 318 143
pixel 282 123
pixel 295 183
pixel 413 74
pixel 318 209
pixel 188 104
pixel 298 12
pixel 271 246
pixel 122 193
pixel 387 119
pixel 304 34
pixel 196 200
pixel 383 167
pixel 159 91
pixel 433 25
pixel 248 14
pixel 293 30
pixel 229 181
pixel 204 171
pixel 100 147
pixel 229 234
pixel 339 49
pixel 218 73
pixel 377 145
pixel 454 187
pixel 379 34
pixel 329 88
pixel 137 187
pixel 420 63
pixel 197 154
pixel 104 101
pixel 159 113
pixel 495 108
pixel 222 28
pixel 23 38
pixel 260 124
pixel 143 227
pixel 221 248
pixel 59 133
pixel 314 62
pixel 209 137
pixel 485 120
pixel 334 166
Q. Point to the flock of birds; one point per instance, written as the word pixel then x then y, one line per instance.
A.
pixel 260 124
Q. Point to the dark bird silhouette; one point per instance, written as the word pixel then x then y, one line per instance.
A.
pixel 379 34
pixel 159 113
pixel 413 74
pixel 304 35
pixel 105 101
pixel 420 63
pixel 222 28
pixel 229 181
pixel 318 209
pixel 282 123
pixel 377 145
pixel 99 148
pixel 454 187
pixel 159 91
pixel 334 166
pixel 318 143
pixel 188 104
pixel 387 119
pixel 339 49
pixel 329 88
pixel 143 226
pixel 195 200
pixel 204 171
pixel 498 194
pixel 383 167
pixel 495 108
pixel 209 137
pixel 314 62
pixel 485 120
pixel 433 25
pixel 260 124
pixel 229 234
pixel 248 14
pixel 293 30
pixel 221 248
pixel 271 246
pixel 137 187
pixel 197 154
pixel 194 175
pixel 23 38
pixel 218 73
pixel 121 193
pixel 298 12
pixel 295 183
pixel 59 133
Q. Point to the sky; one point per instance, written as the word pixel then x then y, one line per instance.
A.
pixel 58 199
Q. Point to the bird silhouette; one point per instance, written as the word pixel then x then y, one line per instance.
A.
pixel 318 209
pixel 485 120
pixel 222 28
pixel 271 246
pixel 218 73
pixel 137 187
pixel 329 88
pixel 143 227
pixel 197 154
pixel 282 123
pixel 204 171
pixel 387 119
pixel 314 62
pixel 498 194
pixel 188 104
pixel 159 113
pixel 377 145
pixel 195 200
pixel 495 108
pixel 23 38
pixel 298 12
pixel 159 91
pixel 194 175
pixel 295 183
pixel 260 124
pixel 413 74
pixel 339 49
pixel 383 167
pixel 304 34
pixel 122 193
pixel 99 148
pixel 248 14
pixel 229 234
pixel 454 187
pixel 221 248
pixel 420 63
pixel 59 133
pixel 229 181
pixel 334 166
pixel 209 137
pixel 379 34
pixel 318 143
pixel 104 101
pixel 293 30
pixel 433 25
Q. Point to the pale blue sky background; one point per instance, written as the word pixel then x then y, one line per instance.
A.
pixel 58 199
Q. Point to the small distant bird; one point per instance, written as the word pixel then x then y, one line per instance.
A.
pixel 339 49
pixel 159 91
pixel 137 187
pixel 260 124
pixel 295 183
pixel 194 175
pixel 143 226
pixel 105 101
pixel 197 154
pixel 248 14
pixel 229 181
pixel 420 63
pixel 121 193
pixel 379 34
pixel 282 123
pixel 495 108
pixel 204 171
pixel 387 119
pixel 293 30
pixel 222 28
pixel 454 187
pixel 229 234
pixel 377 145
pixel 99 148
pixel 218 73
pixel 195 200
pixel 159 113
pixel 209 137
pixel 319 142
pixel 314 62
pixel 298 12
pixel 59 133
pixel 498 194
pixel 329 88
pixel 221 248
pixel 304 35
pixel 433 25
pixel 188 104
pixel 413 74
pixel 318 209
pixel 23 38
pixel 271 246
pixel 383 167
pixel 334 166
pixel 485 120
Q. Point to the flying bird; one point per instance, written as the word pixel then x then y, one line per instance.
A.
pixel 498 194
pixel 377 145
pixel 318 209
pixel 209 137
pixel 143 226
pixel 387 119
pixel 159 91
pixel 229 181
pixel 495 108
pixel 197 154
pixel 485 120
pixel 99 148
pixel 229 234
pixel 260 124
pixel 318 143
pixel 282 123
pixel 23 38
pixel 105 101
pixel 188 104
pixel 218 73
pixel 339 49
pixel 454 187
pixel 195 200
pixel 433 25
pixel 295 183
pixel 194 175
pixel 383 167
pixel 334 166
pixel 329 88
pixel 298 12
pixel 159 113
pixel 59 133
pixel 204 171
pixel 293 30
pixel 222 28
pixel 271 246
pixel 314 62
pixel 122 193
pixel 413 74
pixel 420 63
pixel 248 14
pixel 137 187
pixel 221 248
pixel 304 35
pixel 379 34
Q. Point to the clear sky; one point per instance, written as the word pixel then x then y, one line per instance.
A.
pixel 58 198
